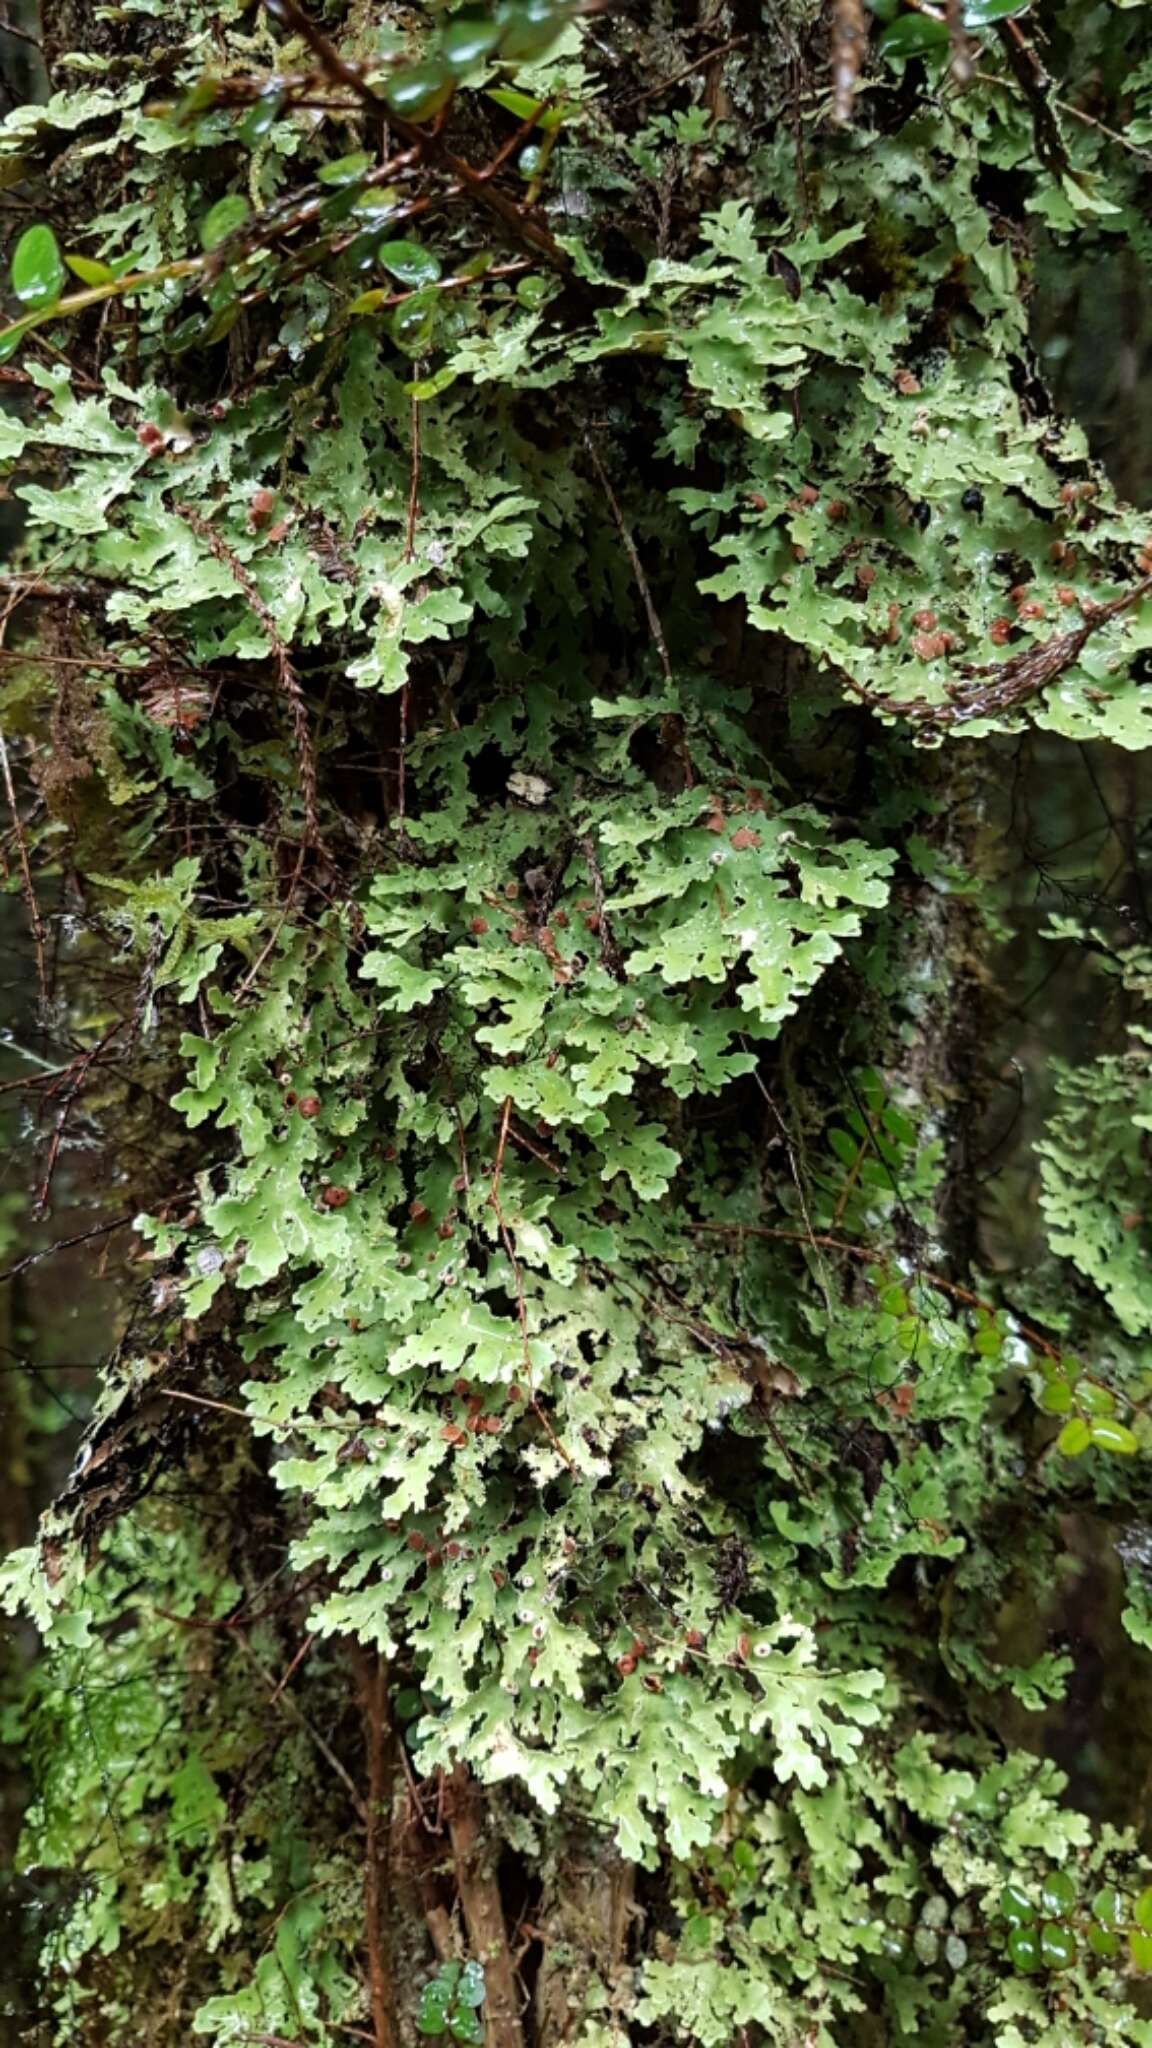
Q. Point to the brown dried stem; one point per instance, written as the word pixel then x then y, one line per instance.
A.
pixel 483 1913
pixel 380 1744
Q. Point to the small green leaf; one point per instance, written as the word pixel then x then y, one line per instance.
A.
pixel 413 323
pixel 1057 1946
pixel 11 337
pixel 1016 1907
pixel 409 263
pixel 1074 1438
pixel 533 290
pixel 1142 1910
pixel 344 170
pixel 1096 1400
pixel 38 274
pixel 1115 1437
pixel 1056 1398
pixel 1140 1949
pixel 1110 1906
pixel 467 40
pixel 1057 1893
pixel 914 35
pixel 223 219
pixel 1103 1942
pixel 420 90
pixel 89 271
pixel 529 28
pixel 470 1990
pixel 981 13
pixel 1024 1948
pixel 261 117
pixel 369 302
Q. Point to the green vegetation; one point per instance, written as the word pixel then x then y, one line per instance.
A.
pixel 540 528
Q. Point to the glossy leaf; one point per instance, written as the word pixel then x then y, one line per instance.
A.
pixel 1057 1893
pixel 37 269
pixel 408 263
pixel 466 40
pixel 914 35
pixel 1115 1437
pixel 1058 1947
pixel 420 90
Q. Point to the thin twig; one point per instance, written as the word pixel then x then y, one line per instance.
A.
pixel 286 674
pixel 677 77
pixel 80 1069
pixel 28 889
pixel 289 1706
pixel 293 1668
pixel 518 1281
pixel 637 566
pixel 874 1256
pixel 64 1244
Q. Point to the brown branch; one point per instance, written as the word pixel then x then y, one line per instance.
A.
pixel 1001 686
pixel 963 69
pixel 380 1744
pixel 483 1913
pixel 414 485
pixel 1034 83
pixel 288 680
pixel 79 1070
pixel 677 77
pixel 64 1244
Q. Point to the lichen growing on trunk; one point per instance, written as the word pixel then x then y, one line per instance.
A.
pixel 539 523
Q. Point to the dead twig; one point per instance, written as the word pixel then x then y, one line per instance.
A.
pixel 483 1913
pixel 380 1746
pixel 64 1244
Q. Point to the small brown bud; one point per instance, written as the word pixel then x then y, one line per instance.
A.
pixel 625 1666
pixel 309 1105
pixel 261 506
